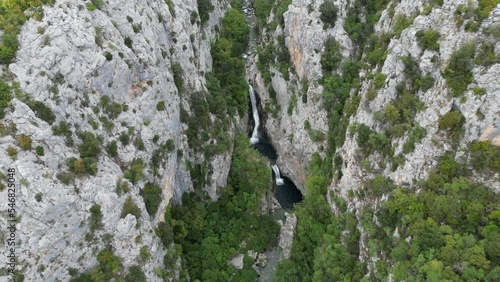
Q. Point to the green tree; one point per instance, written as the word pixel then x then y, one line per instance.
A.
pixel 152 197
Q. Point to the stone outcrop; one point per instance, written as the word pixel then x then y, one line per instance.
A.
pixel 70 60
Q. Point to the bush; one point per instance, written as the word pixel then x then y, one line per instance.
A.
pixel 95 220
pixel 91 7
pixel 262 10
pixel 129 207
pixel 90 146
pixel 331 57
pixel 135 173
pixel 112 149
pixel 40 151
pixel 97 3
pixel 458 73
pixel 5 97
pixel 135 274
pixel 178 73
pixel 472 26
pixel 152 197
pixel 128 42
pixel 204 9
pixel 371 94
pixel 494 30
pixel 379 80
pixel 451 121
pixel 401 22
pixel 109 264
pixel 24 141
pixel 428 39
pixel 426 82
pixel 42 111
pixel 486 55
pixel 108 56
pixel 160 106
pixel 170 145
pixel 124 138
pixel 12 152
pixel 484 155
pixel 66 177
pixel 485 7
pixel 328 13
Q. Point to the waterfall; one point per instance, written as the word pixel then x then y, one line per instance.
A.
pixel 255 134
pixel 277 175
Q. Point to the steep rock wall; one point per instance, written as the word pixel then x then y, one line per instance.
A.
pixel 62 62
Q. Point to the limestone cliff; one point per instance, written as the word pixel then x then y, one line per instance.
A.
pixel 400 23
pixel 129 53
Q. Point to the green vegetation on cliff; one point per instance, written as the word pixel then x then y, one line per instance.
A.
pixel 228 64
pixel 211 233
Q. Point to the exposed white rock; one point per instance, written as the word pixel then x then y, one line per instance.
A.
pixel 286 235
pixel 72 47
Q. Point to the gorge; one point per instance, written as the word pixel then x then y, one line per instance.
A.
pixel 251 140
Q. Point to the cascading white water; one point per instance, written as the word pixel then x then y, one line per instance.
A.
pixel 277 175
pixel 255 134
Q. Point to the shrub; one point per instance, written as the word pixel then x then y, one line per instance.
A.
pixel 160 106
pixel 171 7
pixel 97 3
pixel 451 121
pixel 401 22
pixel 40 151
pixel 139 144
pixel 128 42
pixel 371 94
pixel 152 197
pixel 129 207
pixel 485 7
pixel 90 146
pixel 486 55
pixel 472 26
pixel 42 111
pixel 109 263
pixel 38 196
pixel 204 9
pixel 108 56
pixel 426 82
pixel 12 152
pixel 144 253
pixel 5 97
pixel 458 73
pixel 24 141
pixel 66 177
pixel 170 145
pixel 124 138
pixel 331 57
pixel 328 13
pixel 479 91
pixel 484 155
pixel 428 39
pixel 494 30
pixel 91 7
pixel 136 28
pixel 178 73
pixel 379 80
pixel 135 273
pixel 134 174
pixel 112 149
pixel 95 220
pixel 262 10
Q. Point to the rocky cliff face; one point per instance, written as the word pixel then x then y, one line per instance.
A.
pixel 148 56
pixel 71 59
pixel 305 36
